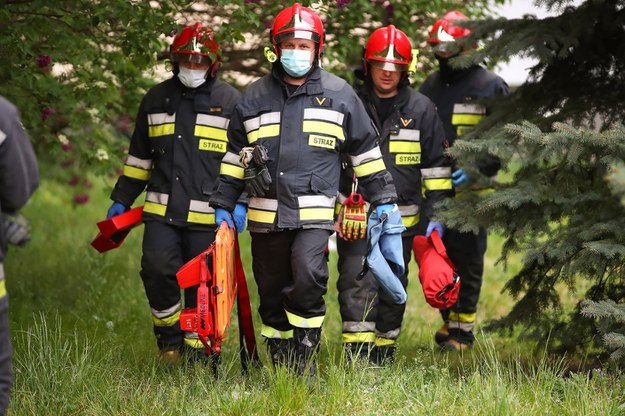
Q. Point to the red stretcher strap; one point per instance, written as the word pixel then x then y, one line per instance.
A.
pixel 246 324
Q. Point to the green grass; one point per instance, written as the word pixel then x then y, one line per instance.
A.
pixel 83 345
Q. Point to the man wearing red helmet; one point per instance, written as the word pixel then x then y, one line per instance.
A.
pixel 455 92
pixel 411 139
pixel 297 123
pixel 176 151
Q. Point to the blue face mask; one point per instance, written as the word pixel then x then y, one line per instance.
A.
pixel 295 62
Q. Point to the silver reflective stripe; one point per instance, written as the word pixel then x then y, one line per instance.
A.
pixel 262 120
pixel 3 136
pixel 464 108
pixel 213 121
pixel 358 326
pixel 372 154
pixel 139 163
pixel 1 272
pixel 160 118
pixel 322 114
pixel 407 135
pixel 167 312
pixel 463 326
pixel 434 173
pixel 308 201
pixel 200 206
pixel 408 210
pixel 232 159
pixel 263 203
pixel 392 334
pixel 157 197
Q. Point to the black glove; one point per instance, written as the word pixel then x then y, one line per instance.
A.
pixel 256 175
pixel 16 228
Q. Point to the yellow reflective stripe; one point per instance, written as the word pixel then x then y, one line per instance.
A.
pixel 234 171
pixel 162 130
pixel 200 218
pixel 410 221
pixel 437 184
pixel 308 214
pixel 211 133
pixel 396 146
pixel 3 288
pixel 301 322
pixel 212 145
pixel 154 208
pixel 369 168
pixel 257 215
pixel 169 321
pixel 270 332
pixel 136 173
pixel 194 343
pixel 383 342
pixel 465 119
pixel 265 131
pixel 462 317
pixel 324 127
pixel 358 337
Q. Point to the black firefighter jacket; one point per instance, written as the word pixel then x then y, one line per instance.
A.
pixel 176 149
pixel 306 133
pixel 412 140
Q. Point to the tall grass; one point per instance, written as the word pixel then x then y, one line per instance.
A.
pixel 83 345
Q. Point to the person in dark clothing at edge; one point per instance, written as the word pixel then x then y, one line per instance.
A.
pixel 454 91
pixel 176 151
pixel 19 178
pixel 290 132
pixel 412 141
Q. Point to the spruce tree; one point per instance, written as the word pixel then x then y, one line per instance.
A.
pixel 559 136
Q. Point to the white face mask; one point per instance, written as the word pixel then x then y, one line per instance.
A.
pixel 192 78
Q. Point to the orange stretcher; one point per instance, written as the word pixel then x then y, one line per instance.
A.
pixel 216 294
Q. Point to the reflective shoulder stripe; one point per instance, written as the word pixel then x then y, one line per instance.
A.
pixel 465 119
pixel 372 154
pixel 323 127
pixel 262 120
pixel 407 134
pixel 3 287
pixel 136 173
pixel 301 322
pixel 435 173
pixel 404 147
pixel 369 168
pixel 231 166
pixel 161 118
pixel 162 130
pixel 139 163
pixel 467 108
pixel 437 184
pixel 325 115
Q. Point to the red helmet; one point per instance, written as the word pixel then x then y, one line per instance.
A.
pixel 444 29
pixel 196 44
pixel 297 22
pixel 388 48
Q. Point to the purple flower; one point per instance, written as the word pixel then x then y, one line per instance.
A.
pixel 47 112
pixel 75 180
pixel 81 199
pixel 250 1
pixel 43 61
pixel 342 3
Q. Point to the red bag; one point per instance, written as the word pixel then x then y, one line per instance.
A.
pixel 437 273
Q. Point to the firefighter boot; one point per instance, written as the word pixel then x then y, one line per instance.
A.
pixel 306 349
pixel 281 351
pixel 169 359
pixel 383 355
pixel 442 334
pixel 358 351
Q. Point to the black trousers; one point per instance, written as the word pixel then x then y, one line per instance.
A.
pixel 6 369
pixel 165 250
pixel 363 301
pixel 291 273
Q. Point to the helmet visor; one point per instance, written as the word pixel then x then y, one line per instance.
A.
pixel 387 66
pixel 297 34
pixel 191 58
pixel 446 49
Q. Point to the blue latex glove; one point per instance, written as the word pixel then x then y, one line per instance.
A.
pixel 222 215
pixel 381 209
pixel 435 225
pixel 458 177
pixel 240 215
pixel 116 209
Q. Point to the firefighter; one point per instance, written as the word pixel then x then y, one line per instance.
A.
pixel 455 92
pixel 176 151
pixel 19 178
pixel 412 142
pixel 286 140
